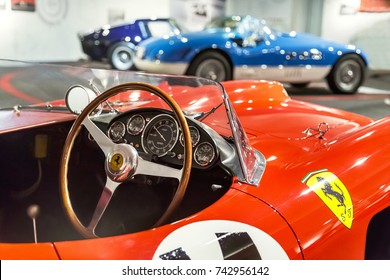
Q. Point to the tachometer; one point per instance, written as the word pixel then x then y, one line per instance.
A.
pixel 160 135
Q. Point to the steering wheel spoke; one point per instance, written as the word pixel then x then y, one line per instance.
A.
pixel 154 169
pixel 101 139
pixel 104 200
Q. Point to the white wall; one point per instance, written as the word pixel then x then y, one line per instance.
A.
pixel 369 31
pixel 192 15
pixel 343 27
pixel 282 15
pixel 277 13
pixel 50 33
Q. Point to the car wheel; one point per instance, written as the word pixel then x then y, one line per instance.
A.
pixel 211 65
pixel 121 57
pixel 299 85
pixel 347 74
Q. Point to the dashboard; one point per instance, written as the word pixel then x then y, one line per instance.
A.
pixel 156 135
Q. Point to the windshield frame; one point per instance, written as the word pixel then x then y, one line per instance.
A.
pixel 252 161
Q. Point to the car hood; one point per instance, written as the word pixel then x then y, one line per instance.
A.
pixel 208 36
pixel 210 33
pixel 299 40
pixel 292 39
pixel 299 119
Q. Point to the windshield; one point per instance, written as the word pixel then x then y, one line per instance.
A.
pixel 243 25
pixel 43 86
pixel 160 28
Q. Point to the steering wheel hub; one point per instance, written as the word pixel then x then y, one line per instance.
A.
pixel 121 162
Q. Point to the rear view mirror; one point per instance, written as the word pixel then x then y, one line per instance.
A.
pixel 78 97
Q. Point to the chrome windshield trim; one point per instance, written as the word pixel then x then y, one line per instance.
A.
pixel 258 169
pixel 252 161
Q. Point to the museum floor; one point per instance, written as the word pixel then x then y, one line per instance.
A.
pixel 372 99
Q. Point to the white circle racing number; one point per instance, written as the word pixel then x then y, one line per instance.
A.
pixel 219 240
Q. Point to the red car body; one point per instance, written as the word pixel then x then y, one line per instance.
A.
pixel 324 193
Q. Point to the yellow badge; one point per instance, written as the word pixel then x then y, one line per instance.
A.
pixel 333 193
pixel 116 162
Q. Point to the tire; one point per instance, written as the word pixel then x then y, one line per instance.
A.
pixel 347 75
pixel 299 85
pixel 120 56
pixel 211 65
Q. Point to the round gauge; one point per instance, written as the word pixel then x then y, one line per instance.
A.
pixel 195 136
pixel 204 154
pixel 160 135
pixel 116 131
pixel 135 125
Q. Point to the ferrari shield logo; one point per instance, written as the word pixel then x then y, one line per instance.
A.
pixel 116 162
pixel 333 193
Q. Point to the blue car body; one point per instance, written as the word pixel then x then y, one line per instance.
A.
pixel 249 49
pixel 102 43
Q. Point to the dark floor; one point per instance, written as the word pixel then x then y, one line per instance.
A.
pixel 372 99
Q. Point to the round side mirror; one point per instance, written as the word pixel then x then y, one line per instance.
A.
pixel 78 97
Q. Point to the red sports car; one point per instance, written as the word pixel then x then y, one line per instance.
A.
pixel 101 164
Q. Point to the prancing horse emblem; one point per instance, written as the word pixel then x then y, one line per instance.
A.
pixel 330 192
pixel 116 162
pixel 333 193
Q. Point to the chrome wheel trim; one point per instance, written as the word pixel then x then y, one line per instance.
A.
pixel 348 75
pixel 212 69
pixel 122 58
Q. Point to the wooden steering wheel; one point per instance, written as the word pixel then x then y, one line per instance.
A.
pixel 122 160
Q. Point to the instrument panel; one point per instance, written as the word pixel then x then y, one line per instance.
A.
pixel 157 133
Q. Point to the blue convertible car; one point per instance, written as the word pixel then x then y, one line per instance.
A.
pixel 117 43
pixel 238 47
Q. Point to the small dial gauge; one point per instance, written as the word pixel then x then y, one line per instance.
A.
pixel 160 135
pixel 195 136
pixel 136 125
pixel 116 131
pixel 204 154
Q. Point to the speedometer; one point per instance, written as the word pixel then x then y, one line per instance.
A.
pixel 160 135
